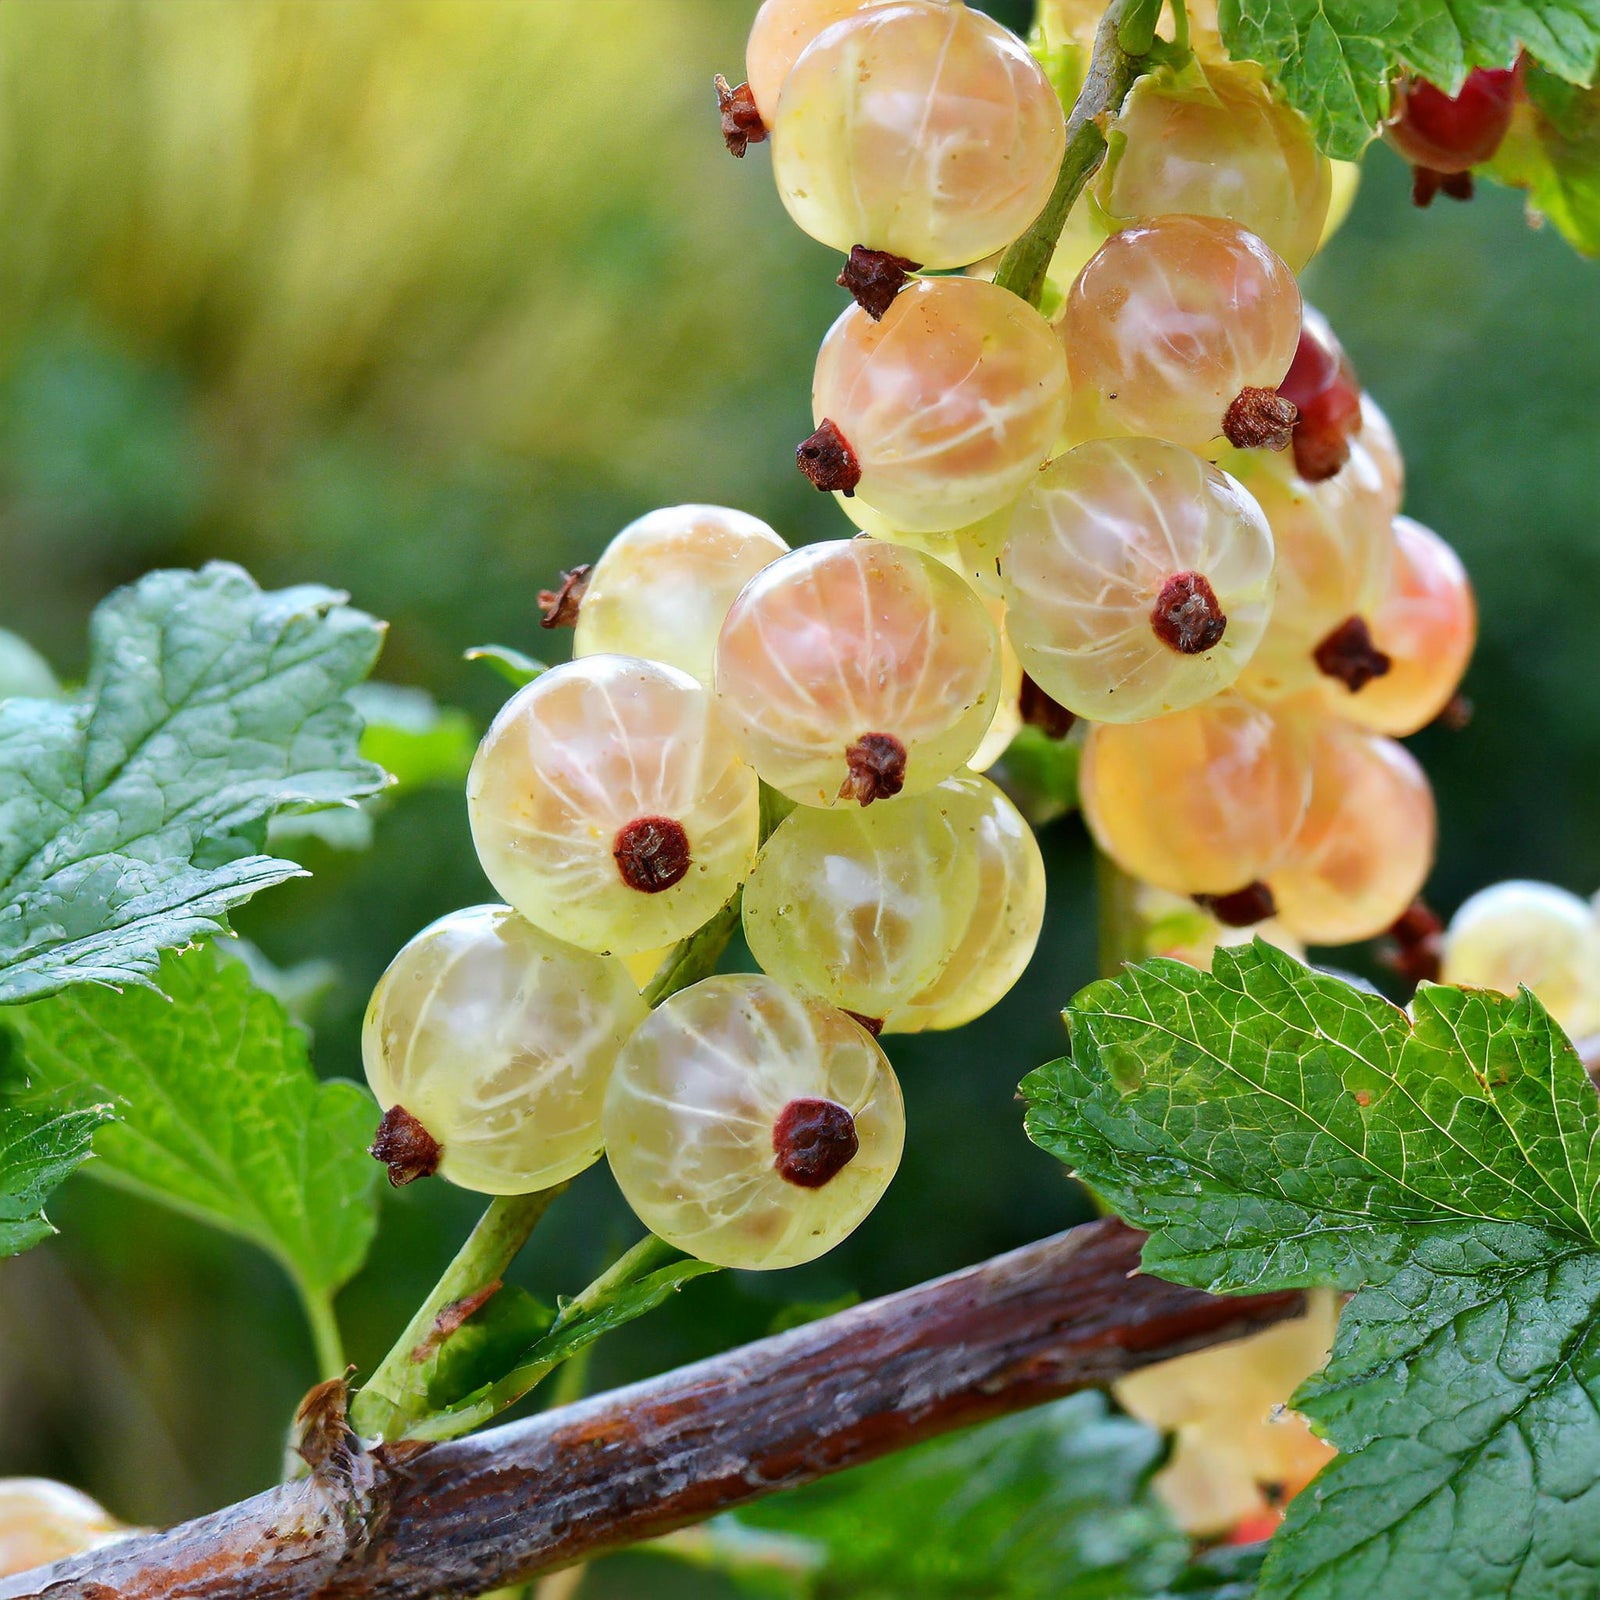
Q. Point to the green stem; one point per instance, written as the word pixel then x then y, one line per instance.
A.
pixel 1111 74
pixel 325 1334
pixel 392 1397
pixel 1121 932
pixel 1180 27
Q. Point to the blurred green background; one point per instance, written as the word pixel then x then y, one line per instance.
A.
pixel 426 299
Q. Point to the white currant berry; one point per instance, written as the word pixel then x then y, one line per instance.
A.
pixel 43 1521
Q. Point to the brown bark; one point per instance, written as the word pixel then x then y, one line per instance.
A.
pixel 458 1519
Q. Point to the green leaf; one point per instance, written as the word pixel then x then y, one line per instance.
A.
pixel 132 819
pixel 486 1346
pixel 1040 774
pixel 1273 1127
pixel 1553 152
pixel 220 1114
pixel 1335 58
pixel 1052 1504
pixel 39 1150
pixel 412 737
pixel 23 671
pixel 512 665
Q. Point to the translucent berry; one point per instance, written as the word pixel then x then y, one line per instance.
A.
pixel 1212 141
pixel 921 129
pixel 1426 625
pixel 42 1521
pixel 853 669
pixel 610 806
pixel 1334 551
pixel 752 1125
pixel 1519 933
pixel 498 1040
pixel 948 404
pixel 1008 711
pixel 664 584
pixel 1203 802
pixel 1179 322
pixel 1137 579
pixel 1327 395
pixel 1366 845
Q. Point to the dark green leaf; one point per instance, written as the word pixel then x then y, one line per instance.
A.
pixel 1273 1127
pixel 1335 58
pixel 486 1346
pixel 220 1114
pixel 512 665
pixel 132 819
pixel 1553 152
pixel 39 1150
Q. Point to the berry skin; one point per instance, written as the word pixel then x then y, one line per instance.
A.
pixel 902 914
pixel 948 405
pixel 1138 579
pixel 1452 133
pixel 1173 323
pixel 1327 395
pixel 42 1521
pixel 1008 712
pixel 1426 625
pixel 499 1040
pixel 664 584
pixel 1532 934
pixel 923 130
pixel 1366 845
pixel 843 653
pixel 730 1118
pixel 1211 141
pixel 1202 802
pixel 610 806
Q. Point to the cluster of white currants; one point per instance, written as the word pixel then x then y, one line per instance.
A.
pixel 1247 627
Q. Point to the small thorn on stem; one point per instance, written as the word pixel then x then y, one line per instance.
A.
pixel 873 1025
pixel 405 1147
pixel 874 278
pixel 877 763
pixel 1187 616
pixel 741 122
pixel 828 461
pixel 813 1141
pixel 652 853
pixel 1041 712
pixel 1414 947
pixel 1243 908
pixel 1259 419
pixel 1349 655
pixel 559 607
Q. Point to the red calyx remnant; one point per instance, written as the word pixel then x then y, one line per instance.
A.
pixel 652 853
pixel 1243 908
pixel 1445 136
pixel 1327 394
pixel 873 1025
pixel 741 122
pixel 1415 945
pixel 560 606
pixel 405 1147
pixel 875 277
pixel 813 1141
pixel 877 763
pixel 828 461
pixel 1186 616
pixel 1349 655
pixel 1259 419
pixel 1040 711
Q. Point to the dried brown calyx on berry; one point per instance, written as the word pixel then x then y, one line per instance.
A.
pixel 1349 655
pixel 1187 616
pixel 559 606
pixel 405 1147
pixel 1039 711
pixel 873 1025
pixel 741 122
pixel 813 1141
pixel 877 769
pixel 1259 419
pixel 1414 946
pixel 875 277
pixel 1243 908
pixel 652 853
pixel 828 461
pixel 1456 715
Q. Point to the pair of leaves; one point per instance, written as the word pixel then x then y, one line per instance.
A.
pixel 1335 59
pixel 134 817
pixel 1053 1504
pixel 1273 1127
pixel 219 1113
